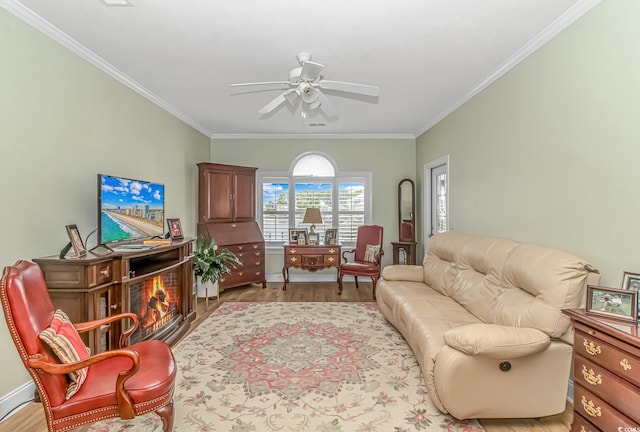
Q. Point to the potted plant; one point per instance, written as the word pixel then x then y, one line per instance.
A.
pixel 209 265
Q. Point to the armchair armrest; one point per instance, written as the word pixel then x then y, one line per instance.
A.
pixel 401 272
pixel 124 336
pixel 347 251
pixel 125 403
pixel 496 341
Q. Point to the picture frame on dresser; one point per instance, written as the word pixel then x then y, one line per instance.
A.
pixel 175 229
pixel 631 282
pixel 331 236
pixel 296 233
pixel 612 302
pixel 76 240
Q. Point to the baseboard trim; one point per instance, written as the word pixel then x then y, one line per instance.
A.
pixel 309 277
pixel 16 398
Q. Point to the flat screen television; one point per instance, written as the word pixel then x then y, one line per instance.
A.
pixel 128 209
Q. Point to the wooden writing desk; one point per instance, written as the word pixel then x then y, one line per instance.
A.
pixel 309 257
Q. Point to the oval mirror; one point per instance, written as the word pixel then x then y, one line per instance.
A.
pixel 407 210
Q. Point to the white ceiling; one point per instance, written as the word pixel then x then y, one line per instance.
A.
pixel 426 56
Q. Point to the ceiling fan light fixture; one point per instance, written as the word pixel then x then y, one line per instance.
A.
pixel 309 94
pixel 117 3
pixel 315 104
pixel 291 96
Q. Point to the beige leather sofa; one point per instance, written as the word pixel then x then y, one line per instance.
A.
pixel 483 317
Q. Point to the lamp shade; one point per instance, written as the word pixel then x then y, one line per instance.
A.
pixel 312 216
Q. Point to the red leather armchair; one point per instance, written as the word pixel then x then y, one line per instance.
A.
pixel 359 266
pixel 123 383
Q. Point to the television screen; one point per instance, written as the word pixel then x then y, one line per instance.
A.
pixel 129 209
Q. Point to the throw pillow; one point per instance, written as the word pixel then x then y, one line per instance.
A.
pixel 62 337
pixel 371 253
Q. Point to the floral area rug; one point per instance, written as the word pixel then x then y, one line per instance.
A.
pixel 312 367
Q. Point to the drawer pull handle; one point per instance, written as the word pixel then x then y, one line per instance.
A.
pixel 258 273
pixel 293 251
pixel 591 377
pixel 258 253
pixel 332 250
pixel 331 259
pixel 240 273
pixel 625 364
pixel 105 272
pixel 591 348
pixel 255 246
pixel 293 259
pixel 239 254
pixel 258 263
pixel 240 247
pixel 114 306
pixel 591 408
pixel 591 332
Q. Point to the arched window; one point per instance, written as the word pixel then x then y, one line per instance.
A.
pixel 313 181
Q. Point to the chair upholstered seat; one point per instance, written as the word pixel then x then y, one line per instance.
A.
pixel 154 381
pixel 360 268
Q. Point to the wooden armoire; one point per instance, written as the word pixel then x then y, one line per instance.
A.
pixel 227 213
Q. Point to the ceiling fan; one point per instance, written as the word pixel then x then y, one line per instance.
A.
pixel 306 83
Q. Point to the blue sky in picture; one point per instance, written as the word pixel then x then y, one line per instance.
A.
pixel 122 192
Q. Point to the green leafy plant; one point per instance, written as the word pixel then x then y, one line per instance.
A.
pixel 210 264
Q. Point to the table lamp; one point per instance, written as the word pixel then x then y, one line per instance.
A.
pixel 312 216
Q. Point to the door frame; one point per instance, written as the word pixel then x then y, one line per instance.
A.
pixel 426 203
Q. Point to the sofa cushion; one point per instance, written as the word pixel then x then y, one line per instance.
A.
pixel 496 341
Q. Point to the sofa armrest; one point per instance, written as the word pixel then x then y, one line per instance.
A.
pixel 496 341
pixel 412 273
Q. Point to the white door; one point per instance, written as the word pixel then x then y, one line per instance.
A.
pixel 436 200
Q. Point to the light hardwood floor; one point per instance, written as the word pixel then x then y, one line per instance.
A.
pixel 31 417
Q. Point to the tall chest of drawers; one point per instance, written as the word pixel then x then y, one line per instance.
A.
pixel 606 374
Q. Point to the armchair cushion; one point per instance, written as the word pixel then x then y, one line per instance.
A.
pixel 371 253
pixel 63 338
pixel 496 341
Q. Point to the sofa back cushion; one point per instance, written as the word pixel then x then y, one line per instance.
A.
pixel 504 282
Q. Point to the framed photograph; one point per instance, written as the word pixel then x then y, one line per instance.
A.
pixel 631 282
pixel 331 236
pixel 76 240
pixel 612 302
pixel 302 237
pixel 295 233
pixel 175 229
pixel 314 238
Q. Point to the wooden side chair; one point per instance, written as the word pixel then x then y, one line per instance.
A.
pixel 77 388
pixel 367 256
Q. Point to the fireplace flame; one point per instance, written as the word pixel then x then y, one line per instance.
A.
pixel 158 291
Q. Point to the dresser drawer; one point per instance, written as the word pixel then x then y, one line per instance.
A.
pixel 100 273
pixel 620 362
pixel 242 277
pixel 580 424
pixel 331 260
pixel 598 412
pixel 246 248
pixel 616 391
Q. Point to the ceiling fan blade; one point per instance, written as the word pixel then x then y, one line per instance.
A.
pixel 260 83
pixel 364 89
pixel 275 103
pixel 326 105
pixel 310 71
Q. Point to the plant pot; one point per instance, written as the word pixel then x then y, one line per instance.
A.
pixel 207 289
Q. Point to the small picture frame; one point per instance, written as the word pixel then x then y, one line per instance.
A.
pixel 76 240
pixel 314 239
pixel 612 303
pixel 175 229
pixel 302 237
pixel 331 236
pixel 631 282
pixel 294 235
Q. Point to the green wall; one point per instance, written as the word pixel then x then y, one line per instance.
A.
pixel 549 152
pixel 390 160
pixel 63 122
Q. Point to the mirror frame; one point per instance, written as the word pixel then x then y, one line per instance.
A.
pixel 413 210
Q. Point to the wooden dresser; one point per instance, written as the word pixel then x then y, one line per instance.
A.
pixel 226 213
pixel 606 374
pixel 309 257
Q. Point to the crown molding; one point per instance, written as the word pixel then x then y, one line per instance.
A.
pixel 28 16
pixel 314 136
pixel 551 31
